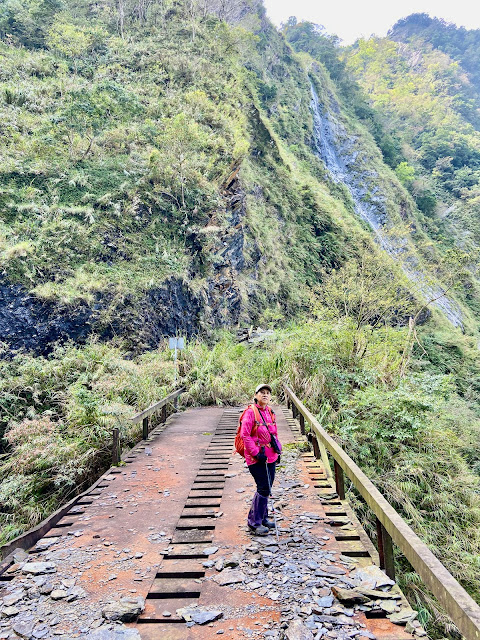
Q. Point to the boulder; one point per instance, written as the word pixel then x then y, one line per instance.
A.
pixel 229 576
pixel 125 610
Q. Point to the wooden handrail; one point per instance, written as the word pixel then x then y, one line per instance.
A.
pixel 29 538
pixel 158 405
pixel 462 609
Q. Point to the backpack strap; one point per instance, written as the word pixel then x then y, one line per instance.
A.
pixel 257 419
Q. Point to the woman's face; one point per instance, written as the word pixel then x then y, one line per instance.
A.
pixel 263 397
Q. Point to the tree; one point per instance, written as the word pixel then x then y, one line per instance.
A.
pixel 27 21
pixel 367 290
pixel 405 173
pixel 74 42
pixel 181 158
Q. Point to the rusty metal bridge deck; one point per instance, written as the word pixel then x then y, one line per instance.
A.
pixel 148 528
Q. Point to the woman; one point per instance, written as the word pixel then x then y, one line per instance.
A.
pixel 262 451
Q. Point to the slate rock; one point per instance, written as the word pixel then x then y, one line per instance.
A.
pixel 206 616
pixel 13 598
pixel 58 594
pixel 23 629
pixel 20 555
pixel 403 616
pixel 233 561
pixel 374 594
pixel 254 585
pixel 229 576
pixel 336 571
pixel 298 631
pixel 199 615
pixel 103 633
pixel 38 568
pixel 373 576
pixel 46 588
pixel 389 606
pixel 325 602
pixel 348 595
pixel 74 593
pixel 10 611
pixel 126 609
pixel 209 551
pixel 45 543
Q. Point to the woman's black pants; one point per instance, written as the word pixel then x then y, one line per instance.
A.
pixel 264 475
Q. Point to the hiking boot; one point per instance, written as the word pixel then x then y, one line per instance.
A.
pixel 259 531
pixel 269 524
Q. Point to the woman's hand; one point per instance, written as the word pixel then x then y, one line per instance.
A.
pixel 262 456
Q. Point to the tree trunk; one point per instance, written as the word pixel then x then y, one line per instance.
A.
pixel 121 17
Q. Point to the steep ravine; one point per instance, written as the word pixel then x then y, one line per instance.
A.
pixel 340 154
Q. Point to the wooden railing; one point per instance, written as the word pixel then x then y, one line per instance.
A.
pixel 145 418
pixel 31 537
pixel 462 609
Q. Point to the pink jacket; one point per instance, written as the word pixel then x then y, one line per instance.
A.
pixel 262 437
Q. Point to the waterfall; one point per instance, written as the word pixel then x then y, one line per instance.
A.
pixel 339 153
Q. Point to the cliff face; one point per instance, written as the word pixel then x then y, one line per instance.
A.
pixel 348 164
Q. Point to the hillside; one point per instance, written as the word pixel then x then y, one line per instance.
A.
pixel 144 188
pixel 426 94
pixel 183 167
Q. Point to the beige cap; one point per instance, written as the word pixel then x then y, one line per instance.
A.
pixel 263 386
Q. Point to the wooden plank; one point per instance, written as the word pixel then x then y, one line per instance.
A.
pixel 199 512
pixel 192 536
pixel 174 588
pixel 196 523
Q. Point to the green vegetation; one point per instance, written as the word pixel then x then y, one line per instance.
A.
pixel 424 98
pixel 116 151
pixel 144 144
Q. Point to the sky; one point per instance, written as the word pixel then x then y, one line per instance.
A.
pixel 352 19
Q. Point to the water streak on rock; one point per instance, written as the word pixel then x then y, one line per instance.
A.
pixel 339 152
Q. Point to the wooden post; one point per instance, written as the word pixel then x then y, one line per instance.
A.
pixel 145 428
pixel 381 554
pixel 339 480
pixel 163 415
pixel 385 550
pixel 302 425
pixel 116 447
pixel 316 449
pixel 388 553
